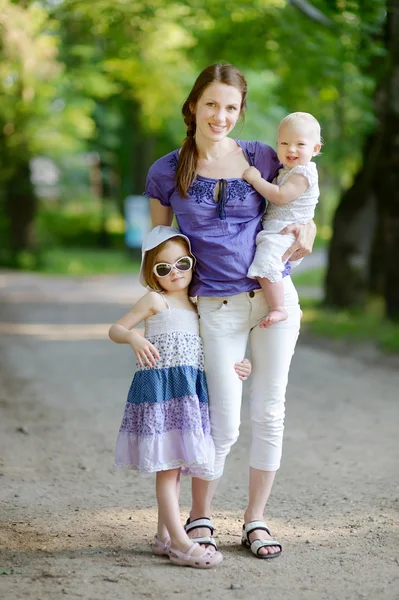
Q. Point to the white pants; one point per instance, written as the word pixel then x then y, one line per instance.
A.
pixel 226 323
pixel 267 261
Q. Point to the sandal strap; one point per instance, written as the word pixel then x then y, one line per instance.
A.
pixel 201 522
pixel 258 544
pixel 210 541
pixel 253 525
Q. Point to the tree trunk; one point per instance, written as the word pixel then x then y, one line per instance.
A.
pixel 21 207
pixel 347 280
pixel 143 148
pixel 364 247
pixel 388 182
pixel 136 153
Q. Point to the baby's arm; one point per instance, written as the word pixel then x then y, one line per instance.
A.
pixel 243 369
pixel 296 185
pixel 122 331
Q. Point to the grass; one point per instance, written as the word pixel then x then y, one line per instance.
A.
pixel 355 327
pixel 314 277
pixel 81 262
pixel 360 326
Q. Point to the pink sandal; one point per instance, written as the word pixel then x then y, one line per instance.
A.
pixel 208 559
pixel 160 548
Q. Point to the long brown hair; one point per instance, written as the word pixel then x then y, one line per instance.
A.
pixel 188 157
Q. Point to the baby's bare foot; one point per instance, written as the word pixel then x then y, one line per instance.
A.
pixel 274 316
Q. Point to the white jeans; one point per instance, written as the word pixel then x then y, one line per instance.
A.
pixel 226 323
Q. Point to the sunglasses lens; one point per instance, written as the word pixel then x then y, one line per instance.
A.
pixel 163 270
pixel 184 264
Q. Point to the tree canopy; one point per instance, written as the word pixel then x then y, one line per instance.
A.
pixel 110 76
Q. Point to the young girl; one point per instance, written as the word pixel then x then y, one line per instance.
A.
pixel 291 200
pixel 165 428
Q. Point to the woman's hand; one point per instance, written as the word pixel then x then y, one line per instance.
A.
pixel 145 352
pixel 243 369
pixel 305 236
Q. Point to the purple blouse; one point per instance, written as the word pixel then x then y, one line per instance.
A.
pixel 222 233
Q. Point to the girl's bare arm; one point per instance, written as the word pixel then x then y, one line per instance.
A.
pixel 123 332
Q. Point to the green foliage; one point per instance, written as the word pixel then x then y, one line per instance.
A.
pixel 110 77
pixel 79 226
pixel 35 117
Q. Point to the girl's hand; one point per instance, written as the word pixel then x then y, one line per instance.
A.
pixel 305 236
pixel 146 353
pixel 243 369
pixel 251 175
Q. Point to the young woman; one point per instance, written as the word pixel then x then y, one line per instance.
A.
pixel 202 185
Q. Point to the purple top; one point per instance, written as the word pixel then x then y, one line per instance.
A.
pixel 222 233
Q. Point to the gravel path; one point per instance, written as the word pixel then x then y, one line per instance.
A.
pixel 72 526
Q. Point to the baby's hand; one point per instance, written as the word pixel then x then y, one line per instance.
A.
pixel 251 174
pixel 243 369
pixel 146 353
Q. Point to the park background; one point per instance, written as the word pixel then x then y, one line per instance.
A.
pixel 91 95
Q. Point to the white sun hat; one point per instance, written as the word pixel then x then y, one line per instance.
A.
pixel 156 236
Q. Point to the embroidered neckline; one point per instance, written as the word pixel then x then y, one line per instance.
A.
pixel 201 190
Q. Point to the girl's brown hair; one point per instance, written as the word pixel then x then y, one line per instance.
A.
pixel 150 260
pixel 188 157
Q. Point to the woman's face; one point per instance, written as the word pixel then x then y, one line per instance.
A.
pixel 217 111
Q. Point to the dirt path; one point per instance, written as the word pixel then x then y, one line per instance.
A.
pixel 72 526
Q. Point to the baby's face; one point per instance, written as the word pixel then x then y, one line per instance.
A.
pixel 297 143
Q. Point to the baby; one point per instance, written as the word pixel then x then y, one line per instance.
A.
pixel 292 200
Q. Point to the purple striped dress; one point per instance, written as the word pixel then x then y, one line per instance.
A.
pixel 166 420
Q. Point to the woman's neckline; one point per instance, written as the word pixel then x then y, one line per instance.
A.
pixel 215 179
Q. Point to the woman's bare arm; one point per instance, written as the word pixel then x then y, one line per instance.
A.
pixel 160 215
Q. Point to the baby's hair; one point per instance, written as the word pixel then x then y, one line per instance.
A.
pixel 305 119
pixel 150 260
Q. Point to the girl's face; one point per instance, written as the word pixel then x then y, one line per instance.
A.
pixel 296 144
pixel 217 111
pixel 177 280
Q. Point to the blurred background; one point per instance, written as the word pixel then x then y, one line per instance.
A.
pixel 91 95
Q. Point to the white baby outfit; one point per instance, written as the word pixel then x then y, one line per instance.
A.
pixel 270 245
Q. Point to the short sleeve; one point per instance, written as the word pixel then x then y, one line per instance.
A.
pixel 309 171
pixel 266 161
pixel 160 183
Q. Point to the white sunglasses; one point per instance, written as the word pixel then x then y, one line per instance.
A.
pixel 185 263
